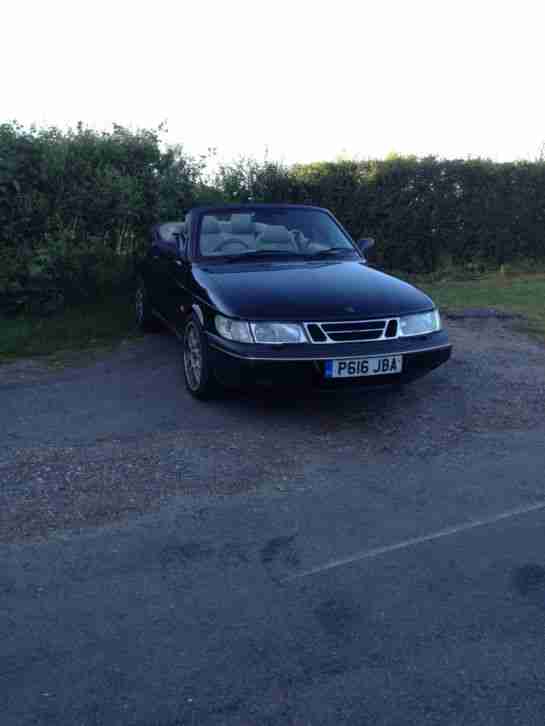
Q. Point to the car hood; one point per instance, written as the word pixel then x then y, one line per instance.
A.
pixel 305 291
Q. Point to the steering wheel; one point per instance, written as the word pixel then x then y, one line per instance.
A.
pixel 231 241
pixel 299 239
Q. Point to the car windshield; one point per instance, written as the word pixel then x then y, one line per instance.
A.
pixel 261 232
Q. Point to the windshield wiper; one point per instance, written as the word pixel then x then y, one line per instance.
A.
pixel 331 251
pixel 259 253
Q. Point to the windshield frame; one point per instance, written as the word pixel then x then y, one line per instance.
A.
pixel 248 209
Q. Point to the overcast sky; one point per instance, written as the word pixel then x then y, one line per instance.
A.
pixel 309 80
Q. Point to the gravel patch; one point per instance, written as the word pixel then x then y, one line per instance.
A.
pixel 119 437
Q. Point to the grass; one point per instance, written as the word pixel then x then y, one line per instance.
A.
pixel 105 323
pixel 82 328
pixel 523 294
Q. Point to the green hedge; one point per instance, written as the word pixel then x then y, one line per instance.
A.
pixel 426 214
pixel 76 206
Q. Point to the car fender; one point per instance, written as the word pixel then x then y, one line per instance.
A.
pixel 198 312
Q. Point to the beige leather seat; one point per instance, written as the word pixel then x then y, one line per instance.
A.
pixel 243 229
pixel 276 237
pixel 211 236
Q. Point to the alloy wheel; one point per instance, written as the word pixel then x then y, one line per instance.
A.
pixel 193 356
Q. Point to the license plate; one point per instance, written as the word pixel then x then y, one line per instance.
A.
pixel 354 367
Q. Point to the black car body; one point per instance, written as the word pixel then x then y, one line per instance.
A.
pixel 281 293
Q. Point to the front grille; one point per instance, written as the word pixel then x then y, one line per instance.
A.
pixel 353 331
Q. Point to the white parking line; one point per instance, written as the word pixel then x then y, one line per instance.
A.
pixel 405 544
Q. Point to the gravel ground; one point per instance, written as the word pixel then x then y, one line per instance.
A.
pixel 115 436
pixel 352 559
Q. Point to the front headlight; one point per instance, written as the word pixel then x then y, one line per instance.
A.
pixel 237 330
pixel 420 324
pixel 244 332
pixel 278 333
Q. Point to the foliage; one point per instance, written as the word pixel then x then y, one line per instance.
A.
pixel 76 206
pixel 248 180
pixel 427 214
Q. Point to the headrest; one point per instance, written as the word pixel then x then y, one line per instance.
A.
pixel 210 225
pixel 276 235
pixel 242 224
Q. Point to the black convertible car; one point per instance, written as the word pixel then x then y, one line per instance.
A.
pixel 266 293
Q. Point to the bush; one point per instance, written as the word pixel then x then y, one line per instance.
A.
pixel 76 206
pixel 429 214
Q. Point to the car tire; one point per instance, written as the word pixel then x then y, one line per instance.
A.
pixel 145 319
pixel 198 374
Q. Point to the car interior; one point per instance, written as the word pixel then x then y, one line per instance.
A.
pixel 240 234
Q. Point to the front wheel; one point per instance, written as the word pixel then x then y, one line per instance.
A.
pixel 198 374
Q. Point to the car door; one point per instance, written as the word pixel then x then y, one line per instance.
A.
pixel 157 270
pixel 167 270
pixel 153 271
pixel 176 299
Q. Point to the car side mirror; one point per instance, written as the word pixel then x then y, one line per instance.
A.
pixel 365 244
pixel 171 238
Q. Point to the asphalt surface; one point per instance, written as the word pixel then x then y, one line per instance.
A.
pixel 357 559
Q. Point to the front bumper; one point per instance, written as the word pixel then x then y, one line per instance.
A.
pixel 240 364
